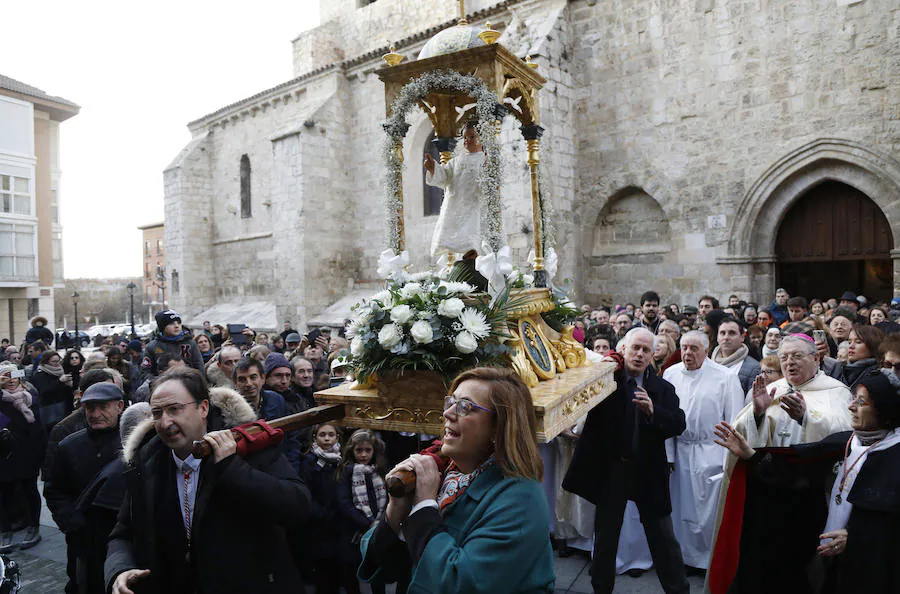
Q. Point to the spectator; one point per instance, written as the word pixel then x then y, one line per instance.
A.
pixel 20 417
pixel 734 354
pixel 662 352
pixel 258 352
pixel 72 365
pixel 877 315
pixel 706 304
pixel 600 316
pixel 14 356
pixel 278 374
pixel 304 378
pixel 115 360
pixel 650 309
pixel 165 363
pixel 889 351
pixel 764 319
pixel 842 351
pixel 221 368
pixel 850 301
pixel 217 334
pixel 817 309
pixel 778 308
pixel 39 331
pixel 750 317
pixel 798 309
pixel 841 324
pixel 56 398
pixel 78 460
pixel 171 339
pixel 754 341
pixel 287 329
pixel 770 368
pixel 204 343
pixel 292 344
pixel 623 325
pixel 862 355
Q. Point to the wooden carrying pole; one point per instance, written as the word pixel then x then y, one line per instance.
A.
pixel 307 418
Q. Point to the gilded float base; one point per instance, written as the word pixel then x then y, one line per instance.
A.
pixel 415 402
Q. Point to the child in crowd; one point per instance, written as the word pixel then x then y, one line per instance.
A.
pixel 321 471
pixel 362 496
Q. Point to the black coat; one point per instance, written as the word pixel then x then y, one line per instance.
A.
pixel 243 508
pixel 29 446
pixel 324 520
pixel 99 503
pixel 56 397
pixel 36 333
pixel 78 460
pixel 871 561
pixel 599 454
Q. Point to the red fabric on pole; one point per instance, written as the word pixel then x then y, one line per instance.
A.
pixel 727 550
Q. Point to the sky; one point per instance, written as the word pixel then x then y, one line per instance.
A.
pixel 140 72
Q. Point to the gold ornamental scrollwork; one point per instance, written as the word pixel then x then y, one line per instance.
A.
pixel 416 415
pixel 582 397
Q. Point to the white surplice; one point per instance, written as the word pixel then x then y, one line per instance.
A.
pixel 458 227
pixel 707 396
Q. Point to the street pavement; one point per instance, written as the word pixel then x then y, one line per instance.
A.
pixel 43 569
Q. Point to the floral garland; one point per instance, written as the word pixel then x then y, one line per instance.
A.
pixel 486 110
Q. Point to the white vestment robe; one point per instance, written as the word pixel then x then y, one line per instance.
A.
pixel 458 227
pixel 707 396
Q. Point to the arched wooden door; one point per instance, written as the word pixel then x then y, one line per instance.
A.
pixel 835 239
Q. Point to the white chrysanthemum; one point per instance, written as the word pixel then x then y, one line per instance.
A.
pixel 402 314
pixel 454 288
pixel 465 343
pixel 385 298
pixel 527 280
pixel 421 276
pixel 357 347
pixel 410 290
pixel 475 323
pixel 390 335
pixel 451 308
pixel 422 332
pixel 364 315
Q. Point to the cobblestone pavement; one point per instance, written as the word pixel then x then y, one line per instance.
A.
pixel 44 569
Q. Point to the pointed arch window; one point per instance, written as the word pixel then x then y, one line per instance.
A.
pixel 246 211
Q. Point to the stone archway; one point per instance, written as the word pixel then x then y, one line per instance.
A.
pixel 751 247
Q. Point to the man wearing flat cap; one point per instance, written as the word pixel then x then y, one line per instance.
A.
pixel 77 461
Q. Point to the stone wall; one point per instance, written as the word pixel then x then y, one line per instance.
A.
pixel 693 103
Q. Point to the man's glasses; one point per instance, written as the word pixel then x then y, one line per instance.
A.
pixel 895 367
pixel 793 357
pixel 173 410
pixel 464 406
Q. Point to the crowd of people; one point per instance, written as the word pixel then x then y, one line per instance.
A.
pixel 696 464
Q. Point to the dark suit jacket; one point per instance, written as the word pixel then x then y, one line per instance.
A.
pixel 598 458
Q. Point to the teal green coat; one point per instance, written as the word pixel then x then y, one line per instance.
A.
pixel 496 541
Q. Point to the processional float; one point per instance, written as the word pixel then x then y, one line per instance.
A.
pixel 463 74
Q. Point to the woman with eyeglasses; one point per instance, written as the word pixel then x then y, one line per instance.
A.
pixel 859 542
pixel 480 525
pixel 862 355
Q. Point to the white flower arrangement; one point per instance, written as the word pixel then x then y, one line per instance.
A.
pixel 426 324
pixel 488 111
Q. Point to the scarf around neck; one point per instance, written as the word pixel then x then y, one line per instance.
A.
pixel 56 370
pixel 867 438
pixel 736 358
pixel 852 371
pixel 20 398
pixel 360 491
pixel 325 457
pixel 456 482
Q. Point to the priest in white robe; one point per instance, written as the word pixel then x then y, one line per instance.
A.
pixel 708 394
pixel 804 406
pixel 458 228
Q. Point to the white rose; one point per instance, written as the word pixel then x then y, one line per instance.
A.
pixel 466 343
pixel 357 348
pixel 364 315
pixel 389 336
pixel 402 314
pixel 410 290
pixel 451 308
pixel 421 332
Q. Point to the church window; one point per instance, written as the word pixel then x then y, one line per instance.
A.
pixel 433 196
pixel 246 212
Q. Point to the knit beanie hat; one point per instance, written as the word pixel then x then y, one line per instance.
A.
pixel 884 390
pixel 274 361
pixel 166 317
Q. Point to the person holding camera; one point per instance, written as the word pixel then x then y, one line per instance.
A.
pixel 22 445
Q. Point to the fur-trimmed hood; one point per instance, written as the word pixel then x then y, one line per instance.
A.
pixel 216 377
pixel 231 406
pixel 37 319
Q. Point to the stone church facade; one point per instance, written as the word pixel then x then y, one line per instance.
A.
pixel 681 138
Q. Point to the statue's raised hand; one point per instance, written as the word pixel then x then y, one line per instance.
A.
pixel 429 164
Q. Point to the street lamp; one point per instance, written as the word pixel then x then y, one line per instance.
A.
pixel 161 282
pixel 131 287
pixel 75 304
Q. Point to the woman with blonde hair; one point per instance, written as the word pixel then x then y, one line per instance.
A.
pixel 665 347
pixel 481 524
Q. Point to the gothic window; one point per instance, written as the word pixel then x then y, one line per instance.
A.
pixel 246 213
pixel 433 196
